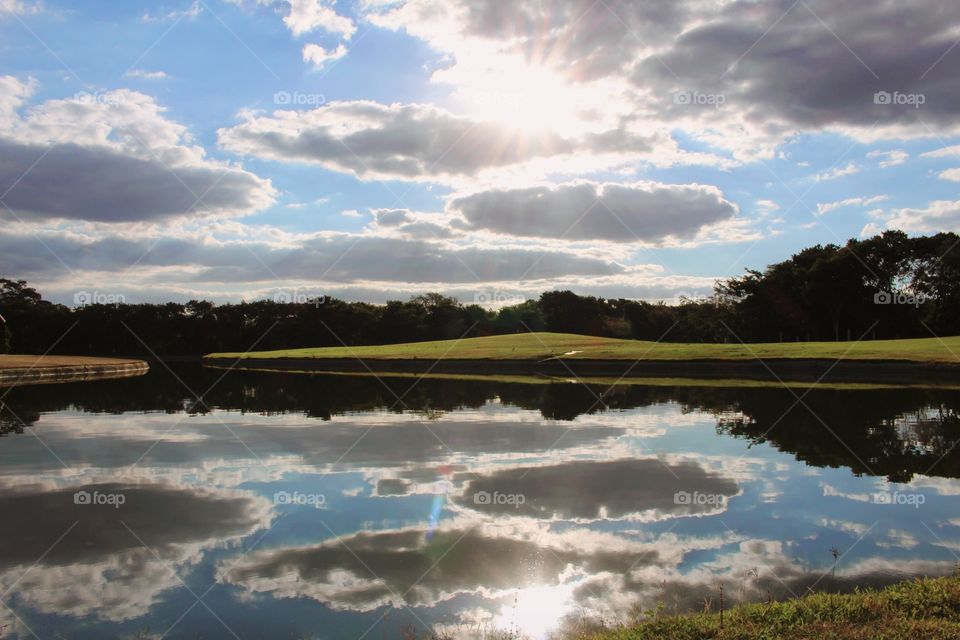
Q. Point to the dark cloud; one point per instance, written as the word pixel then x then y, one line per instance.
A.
pixel 820 63
pixel 96 183
pixel 585 210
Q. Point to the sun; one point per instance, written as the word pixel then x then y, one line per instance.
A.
pixel 518 95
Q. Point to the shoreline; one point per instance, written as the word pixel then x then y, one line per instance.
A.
pixel 773 369
pixel 19 369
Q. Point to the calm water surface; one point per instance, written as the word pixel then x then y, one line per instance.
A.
pixel 301 506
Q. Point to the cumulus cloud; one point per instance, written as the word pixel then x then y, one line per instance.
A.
pixel 774 67
pixel 423 142
pixel 940 215
pixel 113 157
pixel 632 212
pixel 318 57
pixel 374 141
pixel 308 15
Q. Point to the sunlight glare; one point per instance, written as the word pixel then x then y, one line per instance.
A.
pixel 536 611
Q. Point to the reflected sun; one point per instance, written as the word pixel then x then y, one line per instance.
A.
pixel 536 611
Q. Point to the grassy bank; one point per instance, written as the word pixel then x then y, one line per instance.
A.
pixel 927 609
pixel 33 369
pixel 539 346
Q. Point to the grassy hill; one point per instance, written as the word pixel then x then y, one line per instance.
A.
pixel 925 608
pixel 539 346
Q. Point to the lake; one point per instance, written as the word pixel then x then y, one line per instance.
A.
pixel 283 505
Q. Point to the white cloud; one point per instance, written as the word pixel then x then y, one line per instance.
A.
pixel 945 152
pixel 767 206
pixel 940 215
pixel 890 158
pixel 827 207
pixel 837 172
pixel 953 175
pixel 113 157
pixel 318 56
pixel 308 15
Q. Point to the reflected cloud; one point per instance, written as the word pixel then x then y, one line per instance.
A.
pixel 124 554
pixel 645 489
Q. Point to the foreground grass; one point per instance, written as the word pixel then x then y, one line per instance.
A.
pixel 919 609
pixel 539 346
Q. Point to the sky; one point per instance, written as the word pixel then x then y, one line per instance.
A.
pixel 246 149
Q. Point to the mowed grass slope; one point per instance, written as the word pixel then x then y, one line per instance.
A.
pixel 539 346
pixel 927 609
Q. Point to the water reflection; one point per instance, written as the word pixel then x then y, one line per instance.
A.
pixel 299 504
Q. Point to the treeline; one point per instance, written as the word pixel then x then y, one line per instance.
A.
pixel 888 286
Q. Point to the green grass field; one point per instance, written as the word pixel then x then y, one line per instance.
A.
pixel 927 609
pixel 539 346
